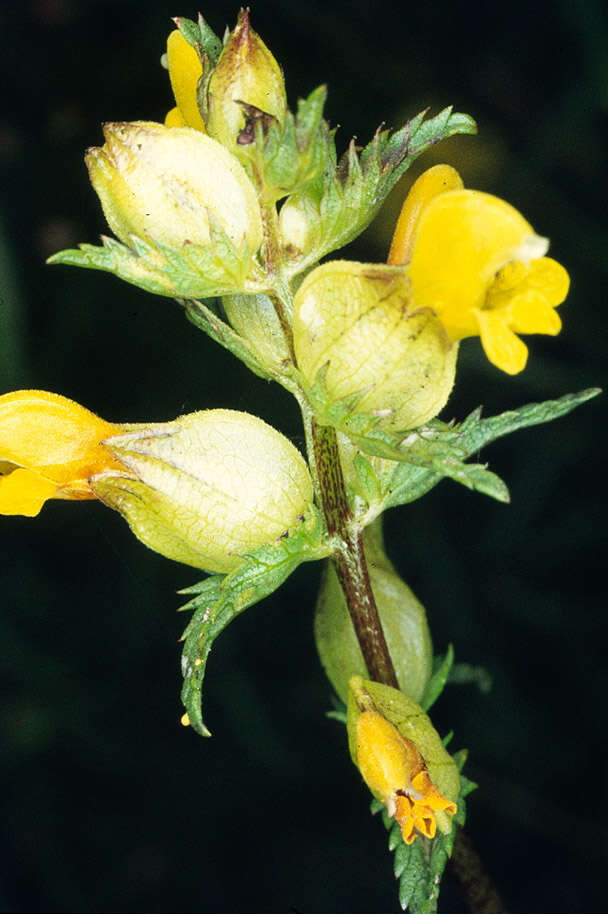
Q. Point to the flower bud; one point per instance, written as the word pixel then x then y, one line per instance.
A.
pixel 356 320
pixel 254 317
pixel 164 183
pixel 402 759
pixel 403 622
pixel 246 84
pixel 207 488
pixel 299 221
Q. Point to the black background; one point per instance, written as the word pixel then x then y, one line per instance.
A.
pixel 107 803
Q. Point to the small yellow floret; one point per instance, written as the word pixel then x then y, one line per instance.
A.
pixel 185 720
pixel 394 770
pixel 185 70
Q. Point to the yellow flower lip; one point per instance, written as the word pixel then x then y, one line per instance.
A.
pixel 50 447
pixel 478 264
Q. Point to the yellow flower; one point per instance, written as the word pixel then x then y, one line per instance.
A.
pixel 477 263
pixel 203 490
pixel 185 70
pixel 49 448
pixel 394 770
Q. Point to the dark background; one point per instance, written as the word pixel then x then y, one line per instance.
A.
pixel 107 803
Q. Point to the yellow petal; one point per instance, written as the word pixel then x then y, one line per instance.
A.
pixel 25 492
pixel 174 118
pixel 185 70
pixel 549 277
pixel 434 181
pixel 54 436
pixel 463 239
pixel 502 347
pixel 529 313
pixel 531 309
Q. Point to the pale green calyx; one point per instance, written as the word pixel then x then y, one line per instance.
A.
pixel 208 488
pixel 164 184
pixel 255 319
pixel 246 86
pixel 356 323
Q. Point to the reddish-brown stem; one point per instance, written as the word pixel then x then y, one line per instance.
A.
pixel 349 558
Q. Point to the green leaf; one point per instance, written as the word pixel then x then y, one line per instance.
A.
pixel 430 452
pixel 286 158
pixel 408 481
pixel 420 865
pixel 475 432
pixel 220 598
pixel 369 482
pixel 191 271
pixel 349 193
pixel 200 36
pixel 439 677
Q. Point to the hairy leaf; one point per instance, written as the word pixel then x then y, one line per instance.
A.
pixel 191 271
pixel 202 38
pixel 287 158
pixel 220 598
pixel 349 193
pixel 407 481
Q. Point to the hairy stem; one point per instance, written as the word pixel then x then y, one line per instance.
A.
pixel 349 558
pixel 477 886
pixel 272 255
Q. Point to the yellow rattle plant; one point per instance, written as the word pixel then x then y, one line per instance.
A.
pixel 233 207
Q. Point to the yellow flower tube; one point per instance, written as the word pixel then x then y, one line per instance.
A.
pixel 477 263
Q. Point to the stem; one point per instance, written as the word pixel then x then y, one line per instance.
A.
pixel 477 886
pixel 349 557
pixel 272 256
